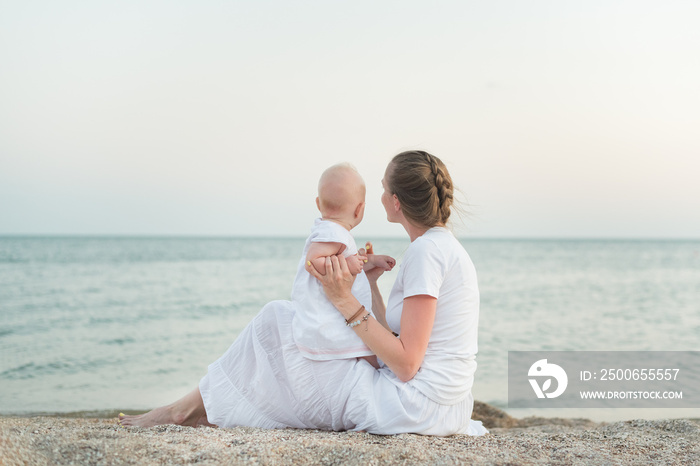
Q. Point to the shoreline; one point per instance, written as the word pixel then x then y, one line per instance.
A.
pixel 63 440
pixel 490 415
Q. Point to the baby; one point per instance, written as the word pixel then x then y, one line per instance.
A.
pixel 320 332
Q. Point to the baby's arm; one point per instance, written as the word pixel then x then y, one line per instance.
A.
pixel 319 251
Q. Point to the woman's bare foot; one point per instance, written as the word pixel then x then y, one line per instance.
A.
pixel 187 411
pixel 157 417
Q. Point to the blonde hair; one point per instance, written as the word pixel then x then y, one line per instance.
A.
pixel 423 186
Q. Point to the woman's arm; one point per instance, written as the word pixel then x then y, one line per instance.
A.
pixel 378 306
pixel 379 265
pixel 403 355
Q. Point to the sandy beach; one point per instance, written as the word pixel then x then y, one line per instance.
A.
pixel 61 440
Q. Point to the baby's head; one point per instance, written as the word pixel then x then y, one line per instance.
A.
pixel 341 195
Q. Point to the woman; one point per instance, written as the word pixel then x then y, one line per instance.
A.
pixel 426 338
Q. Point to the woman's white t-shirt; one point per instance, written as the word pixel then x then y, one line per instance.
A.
pixel 436 264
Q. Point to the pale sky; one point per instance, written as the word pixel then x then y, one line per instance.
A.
pixel 556 119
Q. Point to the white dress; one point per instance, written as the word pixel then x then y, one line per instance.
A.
pixel 319 329
pixel 263 380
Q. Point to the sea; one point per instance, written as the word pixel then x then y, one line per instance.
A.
pixel 98 325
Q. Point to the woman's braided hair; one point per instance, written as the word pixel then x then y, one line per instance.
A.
pixel 423 186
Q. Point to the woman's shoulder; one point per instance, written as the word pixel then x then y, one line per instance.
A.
pixel 437 239
pixel 439 244
pixel 433 245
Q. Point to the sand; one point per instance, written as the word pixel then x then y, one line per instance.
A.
pixel 58 440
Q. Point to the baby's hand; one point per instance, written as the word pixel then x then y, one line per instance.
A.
pixel 385 263
pixel 356 263
pixel 377 265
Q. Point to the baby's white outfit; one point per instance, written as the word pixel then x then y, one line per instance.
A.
pixel 319 329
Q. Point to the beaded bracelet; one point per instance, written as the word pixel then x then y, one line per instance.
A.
pixel 359 311
pixel 359 321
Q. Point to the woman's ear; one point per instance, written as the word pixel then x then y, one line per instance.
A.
pixel 397 203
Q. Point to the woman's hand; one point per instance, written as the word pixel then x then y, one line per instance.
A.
pixel 374 273
pixel 337 282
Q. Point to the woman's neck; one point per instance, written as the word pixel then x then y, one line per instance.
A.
pixel 414 231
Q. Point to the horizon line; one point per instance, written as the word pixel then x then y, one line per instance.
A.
pixel 389 237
